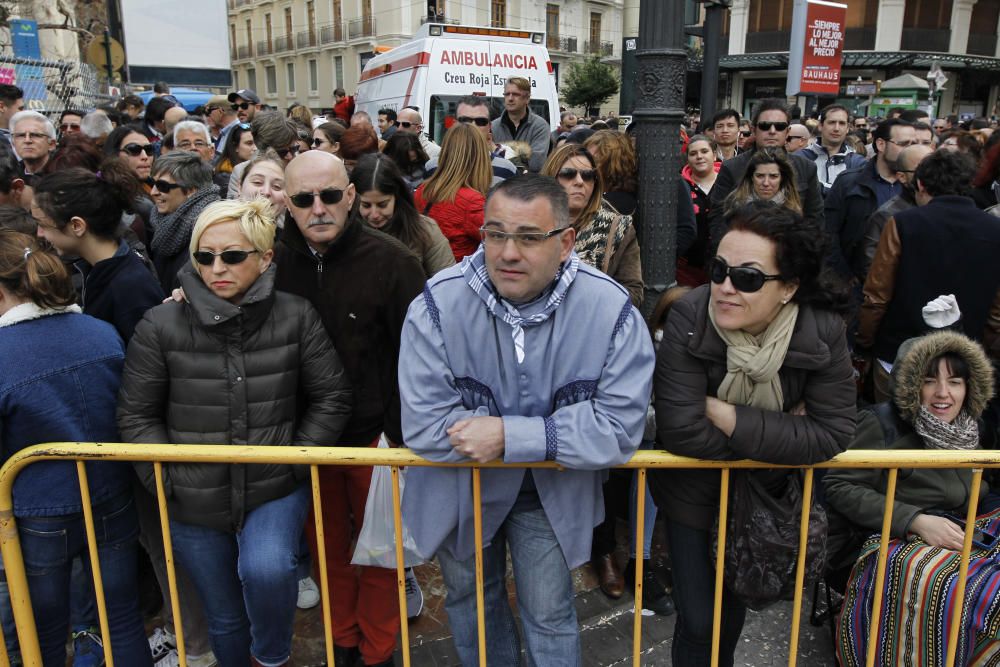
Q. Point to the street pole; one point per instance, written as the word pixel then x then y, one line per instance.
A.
pixel 659 110
pixel 712 36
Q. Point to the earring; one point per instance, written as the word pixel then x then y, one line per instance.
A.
pixel 784 301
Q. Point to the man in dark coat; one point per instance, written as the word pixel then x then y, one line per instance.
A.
pixel 771 130
pixel 361 282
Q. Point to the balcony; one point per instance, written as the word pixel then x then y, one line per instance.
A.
pixel 440 19
pixel 363 27
pixel 265 47
pixel 564 44
pixel 603 49
pixel 920 39
pixel 244 51
pixel 305 39
pixel 329 34
pixel 982 44
pixel 283 43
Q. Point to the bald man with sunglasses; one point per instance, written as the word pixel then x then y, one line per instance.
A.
pixel 770 125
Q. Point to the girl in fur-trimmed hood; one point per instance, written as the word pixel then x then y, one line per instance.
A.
pixel 942 382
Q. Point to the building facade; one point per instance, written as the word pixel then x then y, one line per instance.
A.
pixel 302 50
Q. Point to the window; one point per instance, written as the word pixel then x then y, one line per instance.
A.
pixel 236 80
pixel 338 13
pixel 313 76
pixel 311 21
pixel 498 13
pixel 288 25
pixel 290 72
pixel 271 74
pixel 338 71
pixel 366 16
pixel 251 79
pixel 595 29
pixel 552 26
pixel 232 39
pixel 249 38
pixel 267 32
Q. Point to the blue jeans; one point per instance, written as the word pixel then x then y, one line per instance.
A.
pixel 248 582
pixel 694 594
pixel 49 545
pixel 544 597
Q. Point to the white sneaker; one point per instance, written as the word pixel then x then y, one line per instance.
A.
pixel 414 596
pixel 308 594
pixel 172 659
pixel 161 643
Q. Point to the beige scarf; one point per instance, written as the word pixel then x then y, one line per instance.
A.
pixel 753 362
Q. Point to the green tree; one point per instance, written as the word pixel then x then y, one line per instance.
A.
pixel 589 84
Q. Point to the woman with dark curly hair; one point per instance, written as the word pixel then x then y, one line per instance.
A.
pixel 761 350
pixel 405 150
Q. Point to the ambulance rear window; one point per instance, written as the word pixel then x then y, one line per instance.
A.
pixel 443 109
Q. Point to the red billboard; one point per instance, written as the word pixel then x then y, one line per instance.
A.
pixel 821 52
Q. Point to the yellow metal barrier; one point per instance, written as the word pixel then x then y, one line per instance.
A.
pixel 366 456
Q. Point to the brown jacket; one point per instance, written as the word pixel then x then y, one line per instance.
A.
pixel 691 365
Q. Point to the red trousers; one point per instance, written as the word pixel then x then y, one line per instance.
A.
pixel 364 602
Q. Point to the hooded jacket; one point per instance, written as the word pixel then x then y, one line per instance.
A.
pixel 119 290
pixel 859 493
pixel 691 364
pixel 207 371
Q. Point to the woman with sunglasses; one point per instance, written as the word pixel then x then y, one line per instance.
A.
pixel 455 195
pixel 129 143
pixel 61 374
pixel 182 188
pixel 405 150
pixel 239 148
pixel 605 238
pixel 756 366
pixel 326 138
pixel 236 363
pixel 386 204
pixel 768 177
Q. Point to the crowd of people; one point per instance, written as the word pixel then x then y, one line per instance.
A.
pixel 239 275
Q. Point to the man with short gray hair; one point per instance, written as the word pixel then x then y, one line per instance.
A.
pixel 96 126
pixel 543 389
pixel 34 138
pixel 192 136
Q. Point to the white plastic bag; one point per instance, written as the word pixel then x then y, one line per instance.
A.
pixel 377 540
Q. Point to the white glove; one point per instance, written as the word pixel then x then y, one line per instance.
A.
pixel 941 312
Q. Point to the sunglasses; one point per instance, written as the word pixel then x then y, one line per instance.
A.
pixel 135 149
pixel 69 126
pixel 330 196
pixel 479 121
pixel 165 187
pixel 744 278
pixel 746 133
pixel 283 152
pixel 764 126
pixel 206 258
pixel 568 174
pixel 244 106
pixel 407 124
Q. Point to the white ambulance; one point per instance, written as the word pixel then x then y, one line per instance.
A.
pixel 444 62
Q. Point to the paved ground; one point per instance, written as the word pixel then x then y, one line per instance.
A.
pixel 606 629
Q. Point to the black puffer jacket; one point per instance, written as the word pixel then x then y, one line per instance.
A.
pixel 210 372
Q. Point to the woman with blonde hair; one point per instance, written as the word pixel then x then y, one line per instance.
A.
pixel 236 363
pixel 455 195
pixel 605 238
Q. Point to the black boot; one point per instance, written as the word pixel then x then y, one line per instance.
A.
pixel 654 596
pixel 346 656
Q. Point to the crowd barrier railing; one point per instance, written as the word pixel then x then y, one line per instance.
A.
pixel 396 458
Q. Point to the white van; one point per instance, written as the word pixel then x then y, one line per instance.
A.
pixel 444 63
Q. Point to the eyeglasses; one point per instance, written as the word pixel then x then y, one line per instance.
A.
pixel 765 126
pixel 330 196
pixel 479 120
pixel 206 258
pixel 244 106
pixel 497 238
pixel 35 136
pixel 209 110
pixel 164 186
pixel 135 149
pixel 197 145
pixel 744 278
pixel 746 133
pixel 568 174
pixel 69 126
pixel 283 152
pixel 901 144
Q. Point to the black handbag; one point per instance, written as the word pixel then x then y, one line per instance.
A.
pixel 762 540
